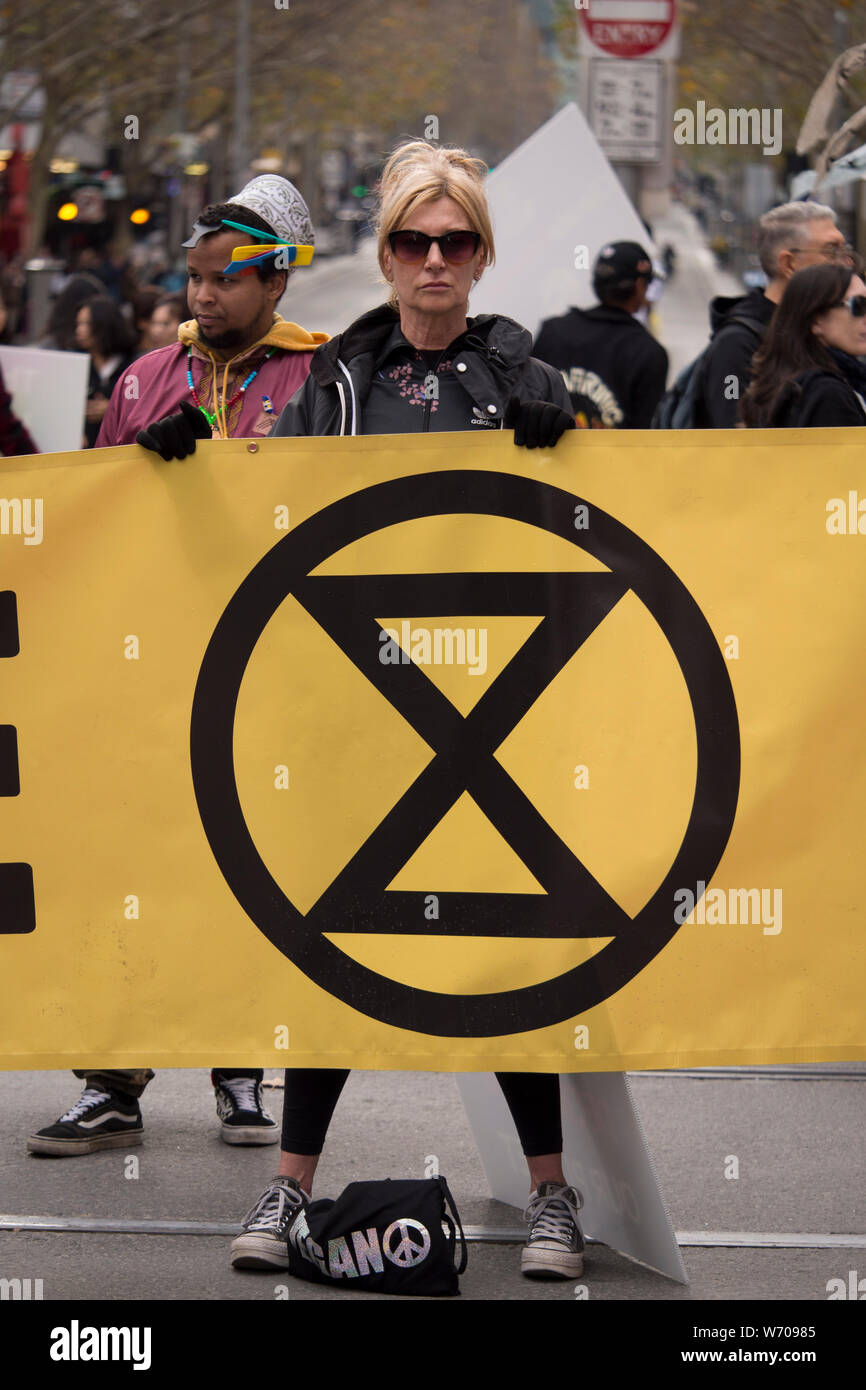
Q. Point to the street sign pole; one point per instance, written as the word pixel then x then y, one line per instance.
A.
pixel 627 75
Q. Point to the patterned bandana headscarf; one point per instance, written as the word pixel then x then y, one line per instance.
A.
pixel 278 203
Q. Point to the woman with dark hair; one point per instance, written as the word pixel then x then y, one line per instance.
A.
pixel 102 330
pixel 807 372
pixel 169 312
pixel 60 330
pixel 142 301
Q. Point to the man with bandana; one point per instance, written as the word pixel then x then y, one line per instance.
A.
pixel 237 362
pixel 234 367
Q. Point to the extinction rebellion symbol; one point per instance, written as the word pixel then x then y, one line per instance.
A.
pixel 571 605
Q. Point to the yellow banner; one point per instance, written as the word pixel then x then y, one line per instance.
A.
pixel 433 753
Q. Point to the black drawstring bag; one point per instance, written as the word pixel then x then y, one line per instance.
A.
pixel 393 1236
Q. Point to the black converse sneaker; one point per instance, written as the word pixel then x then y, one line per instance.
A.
pixel 554 1249
pixel 99 1120
pixel 265 1228
pixel 239 1106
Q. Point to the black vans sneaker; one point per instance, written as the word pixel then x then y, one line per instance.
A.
pixel 100 1120
pixel 239 1106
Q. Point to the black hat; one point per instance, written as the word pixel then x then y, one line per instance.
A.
pixel 618 265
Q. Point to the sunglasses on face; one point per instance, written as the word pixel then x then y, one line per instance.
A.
pixel 412 247
pixel 855 304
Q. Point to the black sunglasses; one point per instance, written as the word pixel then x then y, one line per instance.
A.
pixel 412 247
pixel 856 305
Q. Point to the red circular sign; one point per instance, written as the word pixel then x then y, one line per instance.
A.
pixel 628 28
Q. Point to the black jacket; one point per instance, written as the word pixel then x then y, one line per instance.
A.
pixel 730 353
pixel 819 399
pixel 491 361
pixel 14 436
pixel 606 354
pixel 98 386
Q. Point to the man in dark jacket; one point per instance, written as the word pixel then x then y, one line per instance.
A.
pixel 790 238
pixel 605 353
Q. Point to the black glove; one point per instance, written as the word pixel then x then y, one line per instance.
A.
pixel 536 424
pixel 174 437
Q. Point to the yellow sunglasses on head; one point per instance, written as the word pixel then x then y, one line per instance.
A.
pixel 283 253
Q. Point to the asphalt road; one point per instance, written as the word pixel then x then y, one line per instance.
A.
pixel 798 1144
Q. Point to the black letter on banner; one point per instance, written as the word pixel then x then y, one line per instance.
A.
pixel 17 902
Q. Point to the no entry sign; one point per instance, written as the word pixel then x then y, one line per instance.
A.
pixel 628 28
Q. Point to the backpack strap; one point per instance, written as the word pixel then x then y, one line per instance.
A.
pixel 448 1201
pixel 744 321
pixel 682 405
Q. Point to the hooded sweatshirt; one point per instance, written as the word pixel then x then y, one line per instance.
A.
pixel 738 328
pixel 606 354
pixel 156 383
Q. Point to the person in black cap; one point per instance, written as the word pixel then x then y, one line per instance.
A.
pixel 605 354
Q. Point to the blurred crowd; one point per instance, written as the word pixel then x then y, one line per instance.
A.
pixel 99 306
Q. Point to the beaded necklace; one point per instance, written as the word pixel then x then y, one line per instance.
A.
pixel 226 406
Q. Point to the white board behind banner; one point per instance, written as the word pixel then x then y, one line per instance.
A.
pixel 605 1155
pixel 48 391
pixel 557 193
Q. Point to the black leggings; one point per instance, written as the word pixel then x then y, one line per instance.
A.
pixel 311 1096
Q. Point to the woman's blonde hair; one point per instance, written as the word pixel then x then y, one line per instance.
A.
pixel 418 172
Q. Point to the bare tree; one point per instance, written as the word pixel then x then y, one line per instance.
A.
pixel 319 69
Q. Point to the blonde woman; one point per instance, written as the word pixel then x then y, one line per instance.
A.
pixel 419 363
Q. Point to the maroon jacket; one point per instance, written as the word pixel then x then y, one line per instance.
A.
pixel 154 385
pixel 14 438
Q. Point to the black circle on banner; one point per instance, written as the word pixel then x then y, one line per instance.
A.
pixel 228 654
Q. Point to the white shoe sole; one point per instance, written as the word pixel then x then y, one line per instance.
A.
pixel 259 1252
pixel 71 1148
pixel 249 1134
pixel 551 1264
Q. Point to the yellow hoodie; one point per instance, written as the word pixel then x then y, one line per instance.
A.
pixel 282 334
